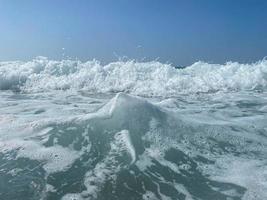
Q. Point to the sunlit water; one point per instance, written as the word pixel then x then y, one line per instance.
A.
pixel 72 135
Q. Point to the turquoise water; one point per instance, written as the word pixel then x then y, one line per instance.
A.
pixel 117 146
pixel 75 130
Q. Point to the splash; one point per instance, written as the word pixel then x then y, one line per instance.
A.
pixel 138 78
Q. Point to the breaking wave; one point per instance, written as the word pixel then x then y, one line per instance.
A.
pixel 139 78
pixel 131 148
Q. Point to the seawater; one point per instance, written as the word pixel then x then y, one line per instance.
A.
pixel 129 130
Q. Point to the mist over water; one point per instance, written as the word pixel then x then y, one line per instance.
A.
pixel 132 130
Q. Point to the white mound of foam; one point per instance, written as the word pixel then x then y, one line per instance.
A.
pixel 140 78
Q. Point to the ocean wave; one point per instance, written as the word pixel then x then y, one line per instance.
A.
pixel 130 146
pixel 139 78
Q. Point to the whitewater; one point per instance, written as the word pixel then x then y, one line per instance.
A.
pixel 76 130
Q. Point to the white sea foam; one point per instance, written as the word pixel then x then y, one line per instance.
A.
pixel 107 169
pixel 250 174
pixel 123 138
pixel 54 158
pixel 228 129
pixel 140 78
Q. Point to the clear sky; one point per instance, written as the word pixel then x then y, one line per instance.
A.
pixel 175 31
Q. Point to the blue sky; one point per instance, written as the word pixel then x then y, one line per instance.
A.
pixel 179 32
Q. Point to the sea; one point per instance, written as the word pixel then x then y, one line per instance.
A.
pixel 129 130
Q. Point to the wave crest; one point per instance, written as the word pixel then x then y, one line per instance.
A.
pixel 139 78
